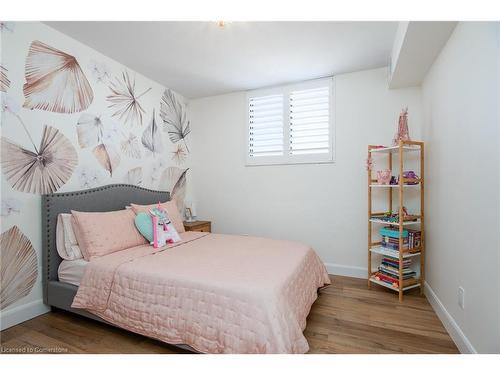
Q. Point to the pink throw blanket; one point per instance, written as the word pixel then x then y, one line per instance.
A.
pixel 216 293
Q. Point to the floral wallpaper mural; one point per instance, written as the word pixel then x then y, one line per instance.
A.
pixel 73 119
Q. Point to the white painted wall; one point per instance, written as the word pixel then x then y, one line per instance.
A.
pixel 461 130
pixel 322 205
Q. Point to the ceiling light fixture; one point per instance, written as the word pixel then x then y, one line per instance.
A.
pixel 222 24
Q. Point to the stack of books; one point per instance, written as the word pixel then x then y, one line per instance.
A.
pixel 411 239
pixel 388 272
pixel 390 238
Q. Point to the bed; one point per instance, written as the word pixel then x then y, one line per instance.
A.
pixel 211 293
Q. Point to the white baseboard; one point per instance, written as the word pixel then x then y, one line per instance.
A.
pixel 457 335
pixel 343 270
pixel 22 313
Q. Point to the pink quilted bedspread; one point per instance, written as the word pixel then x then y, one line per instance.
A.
pixel 216 293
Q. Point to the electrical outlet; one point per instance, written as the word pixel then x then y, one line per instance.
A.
pixel 461 297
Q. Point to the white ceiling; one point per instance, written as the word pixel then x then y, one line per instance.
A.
pixel 200 59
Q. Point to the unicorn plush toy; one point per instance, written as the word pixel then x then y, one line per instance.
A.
pixel 163 230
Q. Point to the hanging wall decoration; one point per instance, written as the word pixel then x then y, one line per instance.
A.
pixel 151 140
pixel 19 268
pixel 173 179
pixel 174 117
pixel 4 80
pixel 54 81
pixel 134 176
pixel 179 155
pixel 44 170
pixel 130 147
pixel 125 101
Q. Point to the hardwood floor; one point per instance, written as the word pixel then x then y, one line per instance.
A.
pixel 346 318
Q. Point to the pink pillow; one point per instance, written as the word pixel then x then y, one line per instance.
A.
pixel 102 233
pixel 172 211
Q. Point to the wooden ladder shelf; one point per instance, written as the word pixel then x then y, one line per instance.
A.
pixel 417 220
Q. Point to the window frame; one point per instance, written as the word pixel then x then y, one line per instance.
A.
pixel 286 158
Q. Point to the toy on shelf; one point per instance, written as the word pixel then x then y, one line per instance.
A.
pixel 403 133
pixel 390 217
pixel 410 178
pixel 384 177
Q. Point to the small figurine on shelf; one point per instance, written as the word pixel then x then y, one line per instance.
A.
pixel 384 177
pixel 403 133
pixel 410 178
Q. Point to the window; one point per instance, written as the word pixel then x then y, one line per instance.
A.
pixel 291 124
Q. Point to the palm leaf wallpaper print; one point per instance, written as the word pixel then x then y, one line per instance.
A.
pixel 11 206
pixel 131 147
pixel 71 121
pixel 173 179
pixel 89 177
pixel 124 99
pixel 54 81
pixel 43 170
pixel 179 155
pixel 7 26
pixel 18 269
pixel 4 80
pixel 151 139
pixel 89 129
pixel 107 156
pixel 134 176
pixel 174 117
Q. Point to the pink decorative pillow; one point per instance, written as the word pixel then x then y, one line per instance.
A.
pixel 172 211
pixel 102 233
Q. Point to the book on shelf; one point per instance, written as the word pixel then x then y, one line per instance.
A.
pixel 394 281
pixel 393 232
pixel 414 238
pixel 393 268
pixel 395 273
pixel 394 245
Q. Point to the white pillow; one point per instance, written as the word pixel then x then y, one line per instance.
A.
pixel 66 243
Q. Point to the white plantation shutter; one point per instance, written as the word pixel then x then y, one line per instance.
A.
pixel 266 126
pixel 291 124
pixel 310 121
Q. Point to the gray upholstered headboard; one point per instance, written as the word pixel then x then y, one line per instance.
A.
pixel 104 198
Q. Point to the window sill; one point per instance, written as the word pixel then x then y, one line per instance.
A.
pixel 271 163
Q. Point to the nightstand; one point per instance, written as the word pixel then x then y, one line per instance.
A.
pixel 198 226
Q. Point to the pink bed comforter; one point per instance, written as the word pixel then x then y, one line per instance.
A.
pixel 216 293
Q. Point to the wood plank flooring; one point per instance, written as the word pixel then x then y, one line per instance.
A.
pixel 346 318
